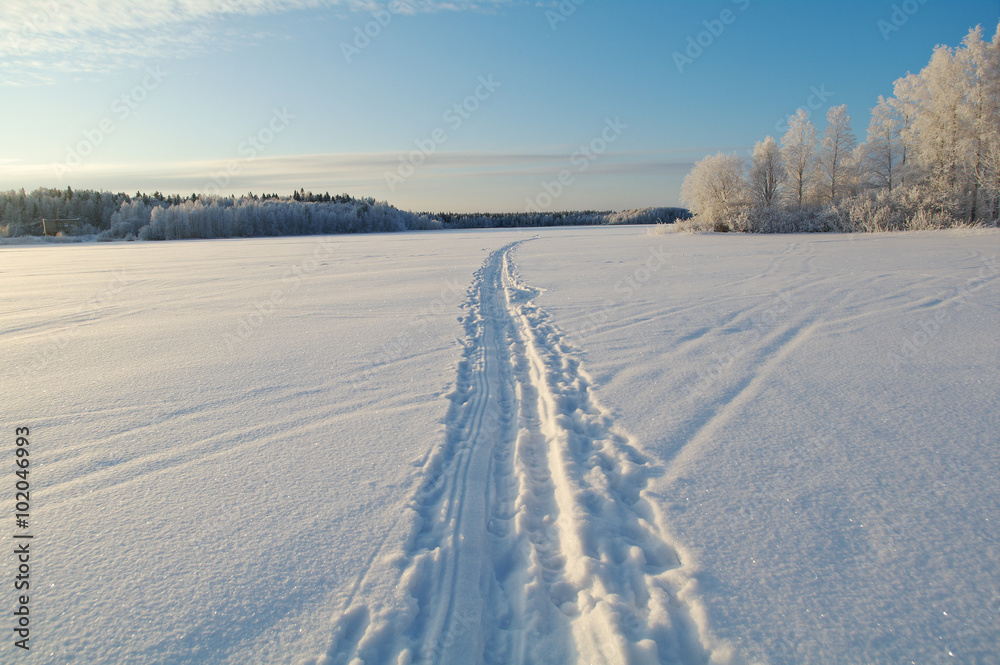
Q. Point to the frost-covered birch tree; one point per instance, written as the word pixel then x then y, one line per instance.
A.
pixel 834 153
pixel 936 132
pixel 798 151
pixel 979 63
pixel 931 157
pixel 767 172
pixel 885 151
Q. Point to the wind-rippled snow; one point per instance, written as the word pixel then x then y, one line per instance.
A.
pixel 226 436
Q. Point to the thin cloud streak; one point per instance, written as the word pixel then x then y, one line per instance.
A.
pixel 361 173
pixel 41 40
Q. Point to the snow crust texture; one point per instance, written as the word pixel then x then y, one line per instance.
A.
pixel 529 539
pixel 622 448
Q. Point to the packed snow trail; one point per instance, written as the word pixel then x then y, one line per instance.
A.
pixel 528 539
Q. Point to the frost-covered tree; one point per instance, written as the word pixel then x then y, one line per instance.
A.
pixel 716 187
pixel 955 128
pixel 857 177
pixel 767 172
pixel 885 153
pixel 798 151
pixel 21 212
pixel 904 91
pixel 931 157
pixel 834 153
pixel 936 131
pixel 980 116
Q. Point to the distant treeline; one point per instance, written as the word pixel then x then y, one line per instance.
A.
pixel 158 216
pixel 505 220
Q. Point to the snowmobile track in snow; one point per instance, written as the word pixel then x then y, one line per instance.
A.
pixel 528 539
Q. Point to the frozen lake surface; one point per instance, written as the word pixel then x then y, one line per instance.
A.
pixel 537 446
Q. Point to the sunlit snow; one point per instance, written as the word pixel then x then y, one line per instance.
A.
pixel 562 445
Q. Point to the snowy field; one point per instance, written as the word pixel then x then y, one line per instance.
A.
pixel 555 446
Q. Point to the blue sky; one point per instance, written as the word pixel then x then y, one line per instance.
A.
pixel 457 105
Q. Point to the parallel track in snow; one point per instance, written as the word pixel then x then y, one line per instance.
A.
pixel 529 539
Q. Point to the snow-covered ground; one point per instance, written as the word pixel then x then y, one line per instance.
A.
pixel 563 445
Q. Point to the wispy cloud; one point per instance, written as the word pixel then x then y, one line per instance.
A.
pixel 41 39
pixel 362 173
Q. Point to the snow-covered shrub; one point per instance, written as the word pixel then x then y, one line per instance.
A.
pixel 902 209
pixel 716 188
pixel 794 219
pixel 696 224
